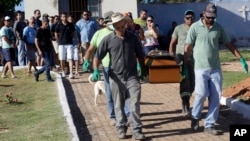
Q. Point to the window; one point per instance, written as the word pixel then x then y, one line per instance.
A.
pixel 94 7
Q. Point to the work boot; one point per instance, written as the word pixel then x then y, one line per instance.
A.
pixel 185 106
pixel 194 124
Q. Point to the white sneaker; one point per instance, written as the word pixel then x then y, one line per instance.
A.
pixel 63 74
pixel 71 76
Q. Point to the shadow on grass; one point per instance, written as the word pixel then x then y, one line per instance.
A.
pixel 78 118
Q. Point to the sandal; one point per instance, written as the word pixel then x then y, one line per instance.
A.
pixel 29 73
pixel 4 76
pixel 14 77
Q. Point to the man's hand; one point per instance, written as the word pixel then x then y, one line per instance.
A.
pixel 86 65
pixel 184 71
pixel 244 64
pixel 138 67
pixel 144 72
pixel 96 75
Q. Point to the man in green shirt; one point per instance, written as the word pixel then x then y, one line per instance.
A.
pixel 203 40
pixel 142 19
pixel 176 47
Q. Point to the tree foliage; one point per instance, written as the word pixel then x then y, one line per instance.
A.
pixel 8 5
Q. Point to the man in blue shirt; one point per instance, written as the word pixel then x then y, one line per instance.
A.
pixel 88 27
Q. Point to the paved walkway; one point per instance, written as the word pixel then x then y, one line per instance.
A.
pixel 160 114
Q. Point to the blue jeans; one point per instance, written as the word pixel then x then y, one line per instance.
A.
pixel 208 83
pixel 46 67
pixel 21 53
pixel 110 102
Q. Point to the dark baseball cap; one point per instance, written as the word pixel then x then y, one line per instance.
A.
pixel 210 10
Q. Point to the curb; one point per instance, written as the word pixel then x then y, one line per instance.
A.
pixel 236 105
pixel 65 107
pixel 63 101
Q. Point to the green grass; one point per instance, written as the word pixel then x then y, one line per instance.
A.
pixel 37 116
pixel 231 78
pixel 227 56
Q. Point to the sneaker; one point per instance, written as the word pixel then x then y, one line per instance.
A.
pixel 112 122
pixel 212 131
pixel 71 76
pixel 36 76
pixel 194 124
pixel 138 136
pixel 63 74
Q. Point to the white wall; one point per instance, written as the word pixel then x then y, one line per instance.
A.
pixel 45 6
pixel 228 13
pixel 119 6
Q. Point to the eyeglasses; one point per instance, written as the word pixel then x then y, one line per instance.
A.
pixel 210 18
pixel 150 20
pixel 85 14
pixel 189 18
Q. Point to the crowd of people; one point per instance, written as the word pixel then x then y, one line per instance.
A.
pixel 121 43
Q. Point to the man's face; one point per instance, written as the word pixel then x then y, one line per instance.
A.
pixel 56 19
pixel 63 17
pixel 189 19
pixel 7 23
pixel 32 21
pixel 70 20
pixel 85 15
pixel 143 15
pixel 19 16
pixel 38 14
pixel 45 24
pixel 208 20
pixel 120 27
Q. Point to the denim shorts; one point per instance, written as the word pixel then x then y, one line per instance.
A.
pixel 8 54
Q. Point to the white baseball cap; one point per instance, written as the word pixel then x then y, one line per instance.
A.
pixel 6 18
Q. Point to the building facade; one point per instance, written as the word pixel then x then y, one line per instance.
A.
pixel 75 7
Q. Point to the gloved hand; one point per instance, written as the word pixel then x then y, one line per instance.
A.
pixel 96 75
pixel 138 66
pixel 244 64
pixel 86 65
pixel 184 71
pixel 144 72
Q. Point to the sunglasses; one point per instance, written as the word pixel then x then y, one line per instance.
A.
pixel 150 20
pixel 189 18
pixel 210 18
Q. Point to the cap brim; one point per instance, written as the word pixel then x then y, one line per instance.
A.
pixel 209 14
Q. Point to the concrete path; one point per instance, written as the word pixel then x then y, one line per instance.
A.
pixel 160 114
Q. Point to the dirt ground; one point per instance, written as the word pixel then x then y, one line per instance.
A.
pixel 240 90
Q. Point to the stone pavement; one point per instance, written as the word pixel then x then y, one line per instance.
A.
pixel 160 114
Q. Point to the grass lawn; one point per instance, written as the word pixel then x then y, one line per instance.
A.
pixel 227 56
pixel 37 116
pixel 231 78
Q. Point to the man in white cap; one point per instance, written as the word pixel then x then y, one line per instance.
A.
pixel 124 48
pixel 203 40
pixel 95 41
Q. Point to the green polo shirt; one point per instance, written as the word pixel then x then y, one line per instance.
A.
pixel 180 33
pixel 206 44
pixel 95 41
pixel 141 22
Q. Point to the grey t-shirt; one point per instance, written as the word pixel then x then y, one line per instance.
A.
pixel 123 54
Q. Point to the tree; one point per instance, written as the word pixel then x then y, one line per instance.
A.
pixel 8 5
